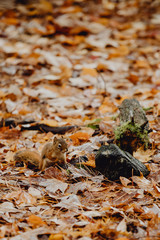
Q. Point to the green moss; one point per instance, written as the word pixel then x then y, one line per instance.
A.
pixel 68 172
pixel 147 109
pixel 94 124
pixel 114 118
pixel 134 130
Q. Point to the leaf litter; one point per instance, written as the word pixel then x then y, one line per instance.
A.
pixel 72 63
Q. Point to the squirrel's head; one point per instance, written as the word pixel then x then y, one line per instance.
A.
pixel 60 144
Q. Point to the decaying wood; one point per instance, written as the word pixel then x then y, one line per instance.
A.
pixel 12 123
pixel 45 128
pixel 131 111
pixel 134 127
pixel 113 163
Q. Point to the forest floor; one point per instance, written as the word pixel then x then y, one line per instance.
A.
pixel 72 63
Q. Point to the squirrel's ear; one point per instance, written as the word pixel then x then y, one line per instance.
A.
pixel 55 139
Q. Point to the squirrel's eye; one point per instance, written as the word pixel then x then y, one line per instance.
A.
pixel 59 145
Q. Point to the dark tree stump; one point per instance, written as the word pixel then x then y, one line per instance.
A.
pixel 112 162
pixel 134 127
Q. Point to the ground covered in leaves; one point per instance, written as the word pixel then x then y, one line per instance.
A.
pixel 72 63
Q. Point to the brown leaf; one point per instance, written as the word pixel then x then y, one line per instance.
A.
pixel 133 78
pixel 7 133
pixel 125 181
pixel 54 172
pixel 21 197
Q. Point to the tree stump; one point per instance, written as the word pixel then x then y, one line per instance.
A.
pixel 134 127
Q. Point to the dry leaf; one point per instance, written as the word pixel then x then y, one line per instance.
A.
pixel 79 138
pixel 52 185
pixel 20 197
pixel 125 181
pixel 56 236
pixel 35 221
pixel 66 63
pixel 89 71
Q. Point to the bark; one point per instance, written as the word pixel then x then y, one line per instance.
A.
pixel 112 162
pixel 133 130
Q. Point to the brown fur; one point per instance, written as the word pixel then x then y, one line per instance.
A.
pixel 52 153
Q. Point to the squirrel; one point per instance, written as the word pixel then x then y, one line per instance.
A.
pixel 52 153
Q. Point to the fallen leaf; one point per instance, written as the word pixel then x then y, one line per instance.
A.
pixel 79 138
pixel 69 202
pixel 142 64
pixel 133 78
pixel 34 192
pixel 20 197
pixel 54 172
pixel 35 221
pixel 52 185
pixel 89 71
pixel 56 236
pixel 125 181
pixel 122 226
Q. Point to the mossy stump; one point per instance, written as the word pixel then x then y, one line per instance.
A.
pixel 133 130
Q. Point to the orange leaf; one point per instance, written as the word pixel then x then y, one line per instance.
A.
pixel 46 6
pixel 101 67
pixel 6 133
pixel 73 40
pixel 89 71
pixel 122 238
pixel 79 138
pixel 121 51
pixel 10 21
pixel 102 21
pixel 142 64
pixel 90 162
pixel 52 123
pixel 133 78
pixel 78 29
pixel 107 106
pixel 57 236
pixel 35 221
pixel 50 29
